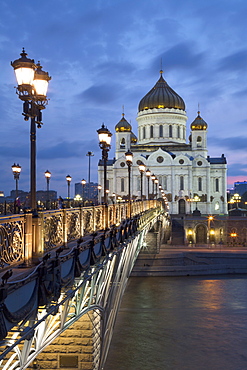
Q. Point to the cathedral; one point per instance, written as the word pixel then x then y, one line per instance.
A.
pixel 191 179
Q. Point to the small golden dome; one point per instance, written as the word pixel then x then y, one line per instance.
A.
pixel 198 123
pixel 123 125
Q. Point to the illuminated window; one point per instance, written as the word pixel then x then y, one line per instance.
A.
pixel 170 130
pixel 199 184
pixel 217 206
pixel 151 131
pixel 160 131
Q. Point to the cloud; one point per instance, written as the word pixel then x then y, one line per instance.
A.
pixel 181 56
pixel 231 143
pixel 65 149
pixel 235 62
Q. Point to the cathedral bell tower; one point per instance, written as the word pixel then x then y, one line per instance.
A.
pixel 199 135
pixel 123 136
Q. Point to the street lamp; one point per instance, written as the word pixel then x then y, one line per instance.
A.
pixel 142 170
pixel 236 199
pixel 16 169
pixel 47 176
pixel 156 181
pixel 153 177
pixel 148 174
pixel 105 145
pixel 129 161
pixel 196 199
pixel 99 191
pixel 32 89
pixel 68 178
pixel 83 182
pixel 89 155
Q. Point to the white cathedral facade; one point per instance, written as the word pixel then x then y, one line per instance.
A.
pixel 184 170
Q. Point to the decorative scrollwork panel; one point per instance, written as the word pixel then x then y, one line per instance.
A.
pixel 12 241
pixel 53 230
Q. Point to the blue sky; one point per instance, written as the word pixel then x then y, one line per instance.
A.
pixel 106 54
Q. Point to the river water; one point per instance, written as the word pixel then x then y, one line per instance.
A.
pixel 181 323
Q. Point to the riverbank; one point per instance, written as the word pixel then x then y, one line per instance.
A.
pixel 191 261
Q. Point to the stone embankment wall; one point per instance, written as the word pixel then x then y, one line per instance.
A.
pixel 190 263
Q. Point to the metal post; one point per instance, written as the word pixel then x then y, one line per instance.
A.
pixel 33 159
pixel 129 189
pixel 148 186
pixel 141 184
pixel 83 185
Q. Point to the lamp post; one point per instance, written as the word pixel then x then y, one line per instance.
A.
pixel 129 161
pixel 89 155
pixel 196 199
pixel 99 193
pixel 156 181
pixel 68 178
pixel 142 170
pixel 16 169
pixel 153 177
pixel 32 89
pixel 237 199
pixel 148 174
pixel 105 145
pixel 83 182
pixel 47 176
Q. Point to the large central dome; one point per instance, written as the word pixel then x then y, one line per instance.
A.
pixel 161 96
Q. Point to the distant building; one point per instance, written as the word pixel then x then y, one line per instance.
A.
pixel 240 187
pixel 183 169
pixel 90 190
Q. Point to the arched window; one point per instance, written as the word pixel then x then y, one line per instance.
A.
pixel 151 131
pixel 199 141
pixel 161 131
pixel 122 185
pixel 217 206
pixel 144 133
pixel 217 185
pixel 165 183
pixel 178 132
pixel 170 130
pixel 122 143
pixel 181 183
pixel 184 133
pixel 199 184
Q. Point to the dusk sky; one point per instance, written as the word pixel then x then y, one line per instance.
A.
pixel 106 54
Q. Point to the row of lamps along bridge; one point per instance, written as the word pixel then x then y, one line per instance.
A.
pixel 32 86
pixel 105 145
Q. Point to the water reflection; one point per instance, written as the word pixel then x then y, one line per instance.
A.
pixel 192 323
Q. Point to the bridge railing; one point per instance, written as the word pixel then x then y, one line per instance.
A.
pixel 25 236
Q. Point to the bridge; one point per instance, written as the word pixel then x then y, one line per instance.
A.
pixel 64 273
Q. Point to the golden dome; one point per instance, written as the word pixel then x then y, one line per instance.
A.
pixel 123 125
pixel 198 123
pixel 161 96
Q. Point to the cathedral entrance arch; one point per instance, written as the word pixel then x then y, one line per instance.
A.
pixel 201 234
pixel 181 206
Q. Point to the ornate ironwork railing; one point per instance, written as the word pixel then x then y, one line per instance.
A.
pixel 23 236
pixel 12 239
